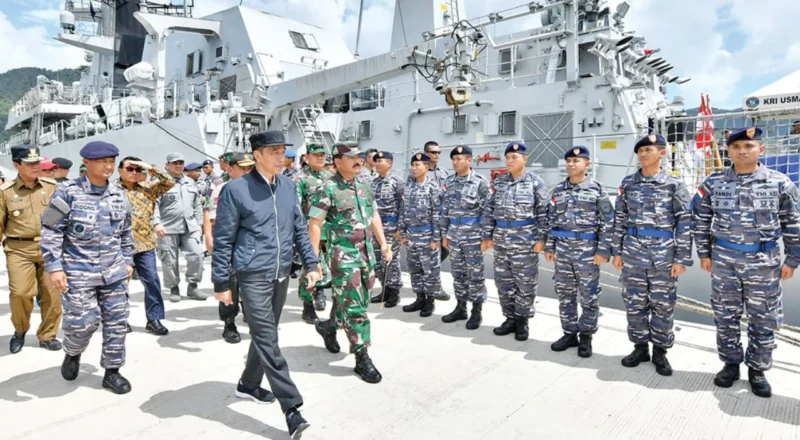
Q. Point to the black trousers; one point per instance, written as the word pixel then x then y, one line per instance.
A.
pixel 263 301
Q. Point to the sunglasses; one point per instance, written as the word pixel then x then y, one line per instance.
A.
pixel 435 152
pixel 131 169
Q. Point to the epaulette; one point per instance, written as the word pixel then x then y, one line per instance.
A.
pixel 7 185
pixel 48 180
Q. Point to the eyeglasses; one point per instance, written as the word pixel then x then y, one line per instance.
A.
pixel 435 152
pixel 133 169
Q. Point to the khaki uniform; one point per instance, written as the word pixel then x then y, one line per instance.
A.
pixel 20 211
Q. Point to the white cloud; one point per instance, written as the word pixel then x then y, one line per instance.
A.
pixel 33 46
pixel 48 16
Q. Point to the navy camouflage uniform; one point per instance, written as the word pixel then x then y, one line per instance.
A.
pixel 652 232
pixel 738 220
pixel 516 219
pixel 388 193
pixel 581 226
pixel 86 232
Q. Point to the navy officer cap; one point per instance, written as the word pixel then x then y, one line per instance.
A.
pixel 745 134
pixel 383 155
pixel 420 157
pixel 270 138
pixel 62 163
pixel 577 151
pixel 99 150
pixel 192 166
pixel 208 162
pixel 516 147
pixel 461 149
pixel 649 140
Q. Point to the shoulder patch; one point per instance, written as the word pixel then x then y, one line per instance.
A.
pixel 682 195
pixel 605 206
pixel 7 185
pixel 793 193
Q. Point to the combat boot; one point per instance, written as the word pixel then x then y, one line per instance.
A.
pixel 417 305
pixel 70 367
pixel 758 383
pixel 640 353
pixel 392 297
pixel 365 369
pixel 585 346
pixel 475 317
pixel 441 295
pixel 195 294
pixel 522 329
pixel 175 294
pixel 319 300
pixel 328 333
pixel 507 327
pixel 428 306
pixel 660 360
pixel 565 342
pixel 459 314
pixel 230 333
pixel 116 382
pixel 380 297
pixel 309 314
pixel 727 376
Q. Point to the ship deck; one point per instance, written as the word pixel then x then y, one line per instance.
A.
pixel 440 381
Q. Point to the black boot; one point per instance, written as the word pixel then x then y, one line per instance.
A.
pixel 392 297
pixel 319 300
pixel 660 360
pixel 585 346
pixel 522 329
pixel 565 342
pixel 365 369
pixel 417 305
pixel 459 314
pixel 475 317
pixel 309 314
pixel 507 327
pixel 230 333
pixel 758 383
pixel 640 353
pixel 116 382
pixel 328 333
pixel 727 376
pixel 428 307
pixel 70 367
pixel 380 297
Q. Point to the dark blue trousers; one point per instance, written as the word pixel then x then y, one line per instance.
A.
pixel 148 274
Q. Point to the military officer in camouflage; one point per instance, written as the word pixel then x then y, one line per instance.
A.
pixel 308 181
pixel 87 244
pixel 22 202
pixel 465 197
pixel 581 225
pixel 739 215
pixel 420 232
pixel 652 247
pixel 515 217
pixel 352 216
pixel 388 190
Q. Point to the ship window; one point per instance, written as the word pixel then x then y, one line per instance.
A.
pixel 505 60
pixel 365 130
pixel 508 123
pixel 460 124
pixel 194 63
pixel 218 52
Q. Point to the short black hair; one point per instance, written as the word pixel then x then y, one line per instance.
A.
pixel 122 162
pixel 430 144
pixel 371 150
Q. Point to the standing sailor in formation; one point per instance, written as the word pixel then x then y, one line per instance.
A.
pixel 388 190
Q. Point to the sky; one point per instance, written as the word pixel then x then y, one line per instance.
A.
pixel 729 48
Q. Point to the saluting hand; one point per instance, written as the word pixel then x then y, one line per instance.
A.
pixel 59 281
pixel 224 297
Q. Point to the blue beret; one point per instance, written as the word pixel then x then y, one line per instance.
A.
pixel 461 149
pixel 191 166
pixel 745 134
pixel 653 139
pixel 99 150
pixel 420 157
pixel 577 151
pixel 516 147
pixel 383 155
pixel 289 153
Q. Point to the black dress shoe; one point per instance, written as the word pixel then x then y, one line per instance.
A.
pixel 296 424
pixel 328 333
pixel 258 394
pixel 51 344
pixel 70 367
pixel 758 383
pixel 16 343
pixel 116 382
pixel 231 334
pixel 156 328
pixel 729 374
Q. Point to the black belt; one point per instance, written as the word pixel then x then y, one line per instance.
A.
pixel 36 239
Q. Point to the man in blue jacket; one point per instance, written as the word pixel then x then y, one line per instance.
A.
pixel 258 224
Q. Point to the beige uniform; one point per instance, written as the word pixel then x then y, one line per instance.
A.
pixel 20 211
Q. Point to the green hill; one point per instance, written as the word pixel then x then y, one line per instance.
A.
pixel 16 82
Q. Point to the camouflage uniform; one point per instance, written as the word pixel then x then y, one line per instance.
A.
pixel 651 232
pixel 308 183
pixel 738 219
pixel 388 193
pixel 86 232
pixel 347 208
pixel 420 226
pixel 581 225
pixel 462 207
pixel 367 176
pixel 516 219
